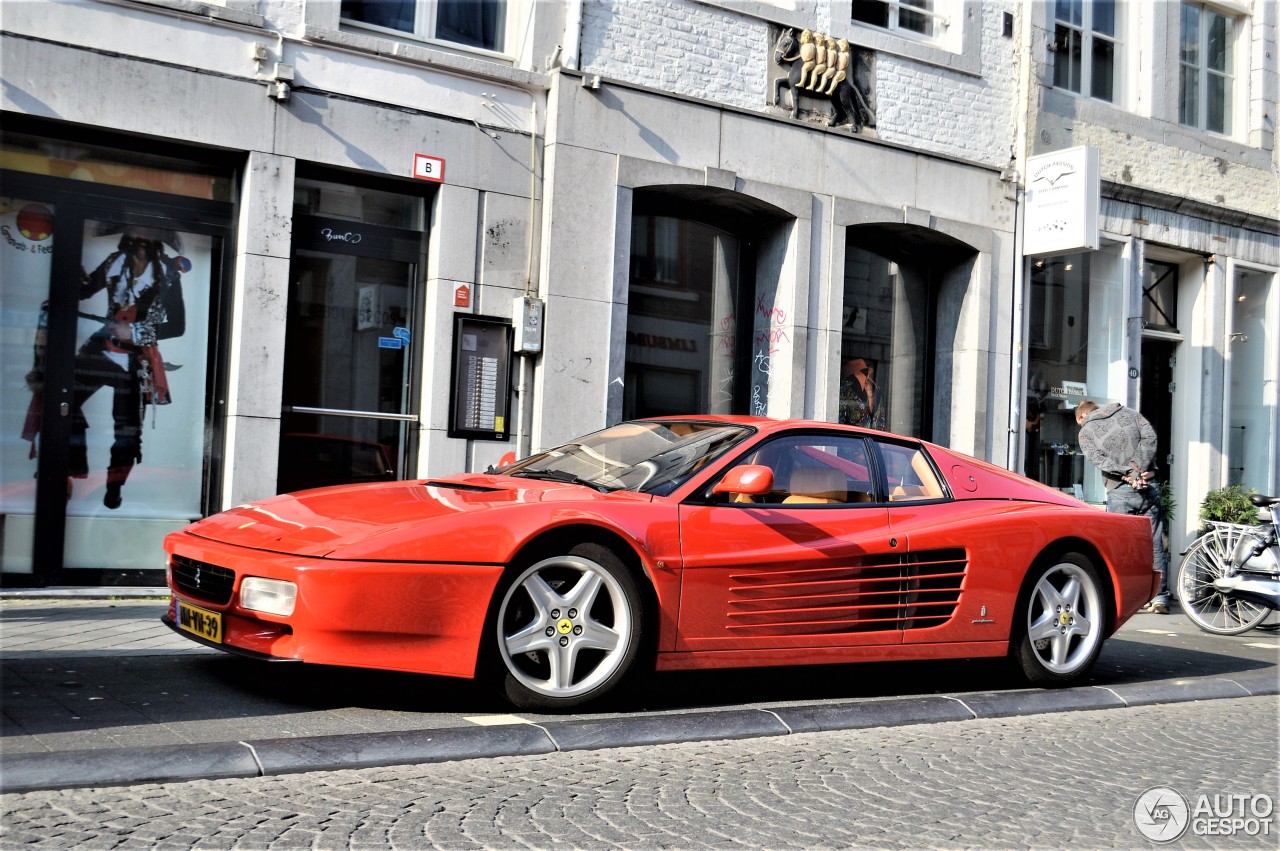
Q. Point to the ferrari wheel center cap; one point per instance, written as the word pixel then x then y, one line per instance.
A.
pixel 1064 619
pixel 565 626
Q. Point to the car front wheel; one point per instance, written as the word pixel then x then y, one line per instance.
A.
pixel 1061 621
pixel 568 628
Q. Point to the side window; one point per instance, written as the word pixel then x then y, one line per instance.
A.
pixel 813 470
pixel 908 473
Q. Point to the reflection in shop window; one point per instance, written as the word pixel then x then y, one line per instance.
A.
pixel 883 344
pixel 682 323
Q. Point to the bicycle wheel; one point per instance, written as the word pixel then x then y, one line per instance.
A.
pixel 1206 560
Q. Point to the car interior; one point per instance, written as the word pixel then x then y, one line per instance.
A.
pixel 827 470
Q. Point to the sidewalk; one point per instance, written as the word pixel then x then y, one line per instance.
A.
pixel 97 691
pixel 88 624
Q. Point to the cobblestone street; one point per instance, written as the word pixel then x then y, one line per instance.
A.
pixel 1057 780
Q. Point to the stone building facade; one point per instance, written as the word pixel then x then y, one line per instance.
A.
pixel 414 237
pixel 1177 308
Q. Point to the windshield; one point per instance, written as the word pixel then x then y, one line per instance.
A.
pixel 646 457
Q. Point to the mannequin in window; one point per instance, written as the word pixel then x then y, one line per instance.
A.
pixel 860 400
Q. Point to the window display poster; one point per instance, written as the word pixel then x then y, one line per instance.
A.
pixel 137 444
pixel 137 417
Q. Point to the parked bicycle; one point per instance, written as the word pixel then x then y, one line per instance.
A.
pixel 1230 576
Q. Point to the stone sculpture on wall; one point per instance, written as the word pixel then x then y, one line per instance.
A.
pixel 825 69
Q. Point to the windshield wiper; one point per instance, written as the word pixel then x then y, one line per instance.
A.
pixel 561 476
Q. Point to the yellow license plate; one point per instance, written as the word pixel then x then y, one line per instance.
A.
pixel 201 622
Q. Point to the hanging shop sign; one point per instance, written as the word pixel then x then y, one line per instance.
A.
pixel 1062 203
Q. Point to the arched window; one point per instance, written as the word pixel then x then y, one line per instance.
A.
pixel 897 327
pixel 689 312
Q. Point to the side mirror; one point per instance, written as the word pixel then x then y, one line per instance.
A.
pixel 751 479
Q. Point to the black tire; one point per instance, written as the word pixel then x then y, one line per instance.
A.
pixel 1060 621
pixel 1207 559
pixel 567 629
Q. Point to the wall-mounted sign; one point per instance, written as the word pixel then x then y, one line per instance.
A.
pixel 428 168
pixel 480 396
pixel 1062 203
pixel 461 295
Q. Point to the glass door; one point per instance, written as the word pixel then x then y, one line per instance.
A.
pixel 104 422
pixel 349 413
pixel 26 262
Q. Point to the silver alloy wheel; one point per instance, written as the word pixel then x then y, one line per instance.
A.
pixel 565 627
pixel 1065 619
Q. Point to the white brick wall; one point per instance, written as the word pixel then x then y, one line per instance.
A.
pixel 713 54
pixel 677 46
pixel 934 109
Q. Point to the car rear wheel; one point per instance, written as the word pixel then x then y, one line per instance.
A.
pixel 1061 621
pixel 568 628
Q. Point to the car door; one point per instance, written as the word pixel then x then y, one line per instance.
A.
pixel 938 536
pixel 809 564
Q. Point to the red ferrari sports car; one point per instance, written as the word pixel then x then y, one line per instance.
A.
pixel 669 543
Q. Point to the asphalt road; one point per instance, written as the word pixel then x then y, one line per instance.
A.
pixel 98 693
pixel 1069 779
pixel 144 686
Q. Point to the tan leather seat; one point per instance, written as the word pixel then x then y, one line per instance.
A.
pixel 817 485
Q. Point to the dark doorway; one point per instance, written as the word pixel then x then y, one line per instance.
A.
pixel 1156 389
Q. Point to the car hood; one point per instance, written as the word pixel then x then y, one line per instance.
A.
pixel 350 521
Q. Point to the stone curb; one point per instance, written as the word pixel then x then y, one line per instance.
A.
pixel 170 763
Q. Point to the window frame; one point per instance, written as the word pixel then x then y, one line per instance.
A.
pixel 894 11
pixel 424 29
pixel 1204 73
pixel 1088 35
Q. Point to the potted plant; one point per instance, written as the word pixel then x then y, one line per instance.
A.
pixel 1228 505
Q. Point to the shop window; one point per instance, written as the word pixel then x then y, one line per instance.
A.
pixel 884 343
pixel 682 318
pixel 1252 442
pixel 104 166
pixel 1086 47
pixel 475 23
pixel 1076 345
pixel 113 263
pixel 1206 69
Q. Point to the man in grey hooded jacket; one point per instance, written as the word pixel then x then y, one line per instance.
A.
pixel 1122 444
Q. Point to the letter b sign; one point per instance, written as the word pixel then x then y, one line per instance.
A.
pixel 428 168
